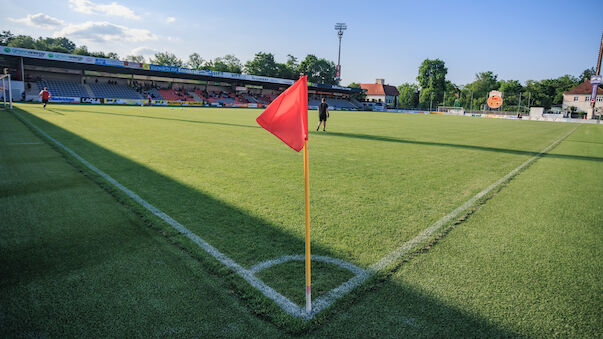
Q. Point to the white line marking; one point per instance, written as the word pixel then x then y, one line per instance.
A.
pixel 327 300
pixel 299 257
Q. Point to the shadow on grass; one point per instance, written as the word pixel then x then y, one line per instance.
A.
pixel 248 240
pixel 53 111
pixel 372 138
pixel 470 147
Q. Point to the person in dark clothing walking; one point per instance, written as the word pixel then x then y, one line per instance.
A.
pixel 323 114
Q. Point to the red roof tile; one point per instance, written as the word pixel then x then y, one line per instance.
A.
pixel 584 88
pixel 379 89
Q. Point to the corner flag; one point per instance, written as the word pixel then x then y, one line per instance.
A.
pixel 287 118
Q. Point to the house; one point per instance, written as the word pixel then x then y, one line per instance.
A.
pixel 579 97
pixel 379 92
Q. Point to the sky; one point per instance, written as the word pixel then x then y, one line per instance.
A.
pixel 520 40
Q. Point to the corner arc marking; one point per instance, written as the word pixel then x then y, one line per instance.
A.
pixel 285 258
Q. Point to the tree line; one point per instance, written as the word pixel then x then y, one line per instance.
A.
pixel 318 70
pixel 434 90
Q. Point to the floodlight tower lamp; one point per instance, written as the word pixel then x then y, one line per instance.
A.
pixel 339 27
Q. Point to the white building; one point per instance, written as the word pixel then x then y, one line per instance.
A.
pixel 579 97
pixel 379 92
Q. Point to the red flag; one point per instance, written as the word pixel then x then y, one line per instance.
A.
pixel 287 116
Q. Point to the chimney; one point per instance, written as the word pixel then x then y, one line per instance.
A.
pixel 380 81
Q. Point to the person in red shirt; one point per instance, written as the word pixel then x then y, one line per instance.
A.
pixel 45 95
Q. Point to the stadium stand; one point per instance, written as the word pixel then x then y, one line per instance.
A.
pixel 31 91
pixel 114 91
pixel 175 95
pixel 59 88
pixel 333 103
pixel 154 94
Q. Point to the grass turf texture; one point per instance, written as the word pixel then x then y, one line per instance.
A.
pixel 377 180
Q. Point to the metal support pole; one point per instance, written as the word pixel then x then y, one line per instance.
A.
pixel 10 93
pixel 598 72
pixel 339 53
pixel 4 92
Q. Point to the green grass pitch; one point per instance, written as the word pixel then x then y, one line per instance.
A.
pixel 79 258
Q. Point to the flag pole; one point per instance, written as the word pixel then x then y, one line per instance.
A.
pixel 307 200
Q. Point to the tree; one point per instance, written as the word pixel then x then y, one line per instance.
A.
pixel 512 90
pixel 195 61
pixel 135 58
pixel 409 95
pixel 358 96
pixel 22 41
pixel 262 64
pixel 61 45
pixel 292 62
pixel 81 50
pixel 318 70
pixel 217 65
pixel 563 84
pixel 6 37
pixel 233 64
pixel 479 89
pixel 451 95
pixel 432 79
pixel 288 70
pixel 541 93
pixel 112 55
pixel 586 75
pixel 166 59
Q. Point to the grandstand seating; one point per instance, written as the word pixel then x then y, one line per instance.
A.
pixel 155 94
pixel 59 88
pixel 171 94
pixel 104 90
pixel 333 103
pixel 250 98
pixel 200 94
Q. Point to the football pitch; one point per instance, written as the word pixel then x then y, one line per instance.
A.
pixel 156 221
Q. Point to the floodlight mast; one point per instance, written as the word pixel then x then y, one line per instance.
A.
pixel 339 27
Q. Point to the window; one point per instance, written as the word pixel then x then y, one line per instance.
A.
pixel 599 97
pixel 575 98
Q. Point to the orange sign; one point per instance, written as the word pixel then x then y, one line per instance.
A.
pixel 495 99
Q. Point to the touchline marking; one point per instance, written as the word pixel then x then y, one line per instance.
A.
pixel 319 304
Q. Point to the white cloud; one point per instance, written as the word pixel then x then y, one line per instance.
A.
pixel 41 21
pixel 115 9
pixel 104 31
pixel 170 19
pixel 144 51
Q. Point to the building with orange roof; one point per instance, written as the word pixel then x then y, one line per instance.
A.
pixel 379 92
pixel 579 97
